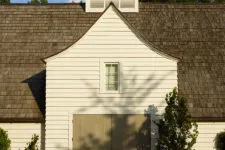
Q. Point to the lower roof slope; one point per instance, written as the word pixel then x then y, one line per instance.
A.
pixel 193 33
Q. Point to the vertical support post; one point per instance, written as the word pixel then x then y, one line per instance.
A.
pixel 153 128
pixel 70 131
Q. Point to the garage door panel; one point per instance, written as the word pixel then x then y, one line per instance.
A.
pixel 91 132
pixel 111 132
pixel 130 132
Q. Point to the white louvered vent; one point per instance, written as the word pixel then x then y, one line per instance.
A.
pixel 127 4
pixel 122 5
pixel 96 4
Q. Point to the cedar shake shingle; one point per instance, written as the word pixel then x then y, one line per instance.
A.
pixel 193 33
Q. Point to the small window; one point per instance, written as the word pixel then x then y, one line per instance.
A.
pixel 111 77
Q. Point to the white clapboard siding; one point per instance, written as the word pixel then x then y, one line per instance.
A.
pixel 107 99
pixel 21 133
pixel 97 86
pixel 126 71
pixel 73 68
pixel 207 134
pixel 105 103
pixel 73 77
pixel 100 110
pixel 52 136
pixel 153 90
pixel 103 33
pixel 166 76
pixel 57 127
pixel 107 41
pixel 54 131
pixel 111 50
pixel 77 94
pixel 127 82
pixel 57 145
pixel 73 82
pixel 63 122
pixel 74 63
pixel 99 47
pixel 108 55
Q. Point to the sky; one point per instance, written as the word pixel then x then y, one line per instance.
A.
pixel 49 1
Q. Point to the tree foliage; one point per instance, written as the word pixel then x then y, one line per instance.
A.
pixel 38 2
pixel 176 130
pixel 4 1
pixel 220 140
pixel 32 145
pixel 4 140
pixel 44 1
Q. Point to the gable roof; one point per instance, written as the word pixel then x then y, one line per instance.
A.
pixel 193 33
pixel 126 22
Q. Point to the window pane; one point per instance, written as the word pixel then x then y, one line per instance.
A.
pixel 107 69
pixel 111 87
pixel 116 86
pixel 113 69
pixel 111 77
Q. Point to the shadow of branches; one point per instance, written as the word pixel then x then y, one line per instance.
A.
pixel 124 134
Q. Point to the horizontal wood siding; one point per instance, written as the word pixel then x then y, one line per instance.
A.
pixel 73 78
pixel 21 133
pixel 207 134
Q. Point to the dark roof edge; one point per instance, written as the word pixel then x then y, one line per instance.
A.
pixel 209 119
pixel 22 120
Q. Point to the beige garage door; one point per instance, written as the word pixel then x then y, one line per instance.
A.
pixel 111 132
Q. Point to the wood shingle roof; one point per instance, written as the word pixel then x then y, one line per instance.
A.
pixel 193 33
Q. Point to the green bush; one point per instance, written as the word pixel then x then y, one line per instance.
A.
pixel 220 140
pixel 176 130
pixel 4 140
pixel 4 1
pixel 32 145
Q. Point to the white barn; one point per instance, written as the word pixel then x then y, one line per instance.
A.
pixel 98 89
pixel 77 81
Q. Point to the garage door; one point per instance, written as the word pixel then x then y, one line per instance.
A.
pixel 111 132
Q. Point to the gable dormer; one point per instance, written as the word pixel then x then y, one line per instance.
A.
pixel 122 5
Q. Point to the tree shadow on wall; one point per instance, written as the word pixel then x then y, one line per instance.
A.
pixel 125 133
pixel 122 135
